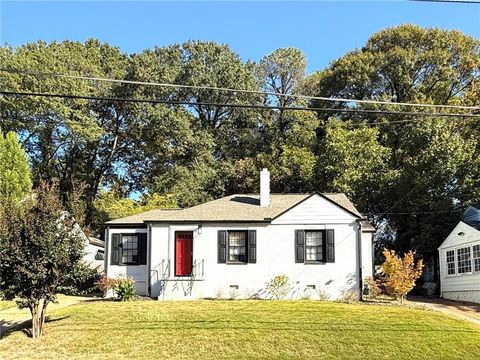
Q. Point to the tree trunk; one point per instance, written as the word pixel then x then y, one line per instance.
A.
pixel 38 317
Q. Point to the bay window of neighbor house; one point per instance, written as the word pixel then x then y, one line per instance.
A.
pixel 476 258
pixel 451 262
pixel 237 246
pixel 464 263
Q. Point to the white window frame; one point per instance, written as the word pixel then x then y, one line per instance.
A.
pixel 454 262
pixel 475 258
pixel 472 261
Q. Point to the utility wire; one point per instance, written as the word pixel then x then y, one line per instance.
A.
pixel 271 93
pixel 239 105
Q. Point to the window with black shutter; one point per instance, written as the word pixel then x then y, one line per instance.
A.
pixel 237 246
pixel 129 249
pixel 314 246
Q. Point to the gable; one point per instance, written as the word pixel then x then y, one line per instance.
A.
pixel 470 235
pixel 315 210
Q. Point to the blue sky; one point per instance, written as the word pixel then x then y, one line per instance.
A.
pixel 322 30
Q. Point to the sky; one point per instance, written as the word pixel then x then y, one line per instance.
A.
pixel 323 30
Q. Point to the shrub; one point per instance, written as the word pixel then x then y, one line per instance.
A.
pixel 219 294
pixel 349 296
pixel 234 293
pixel 125 289
pixel 401 273
pixel 105 283
pixel 373 286
pixel 322 295
pixel 279 287
pixel 84 280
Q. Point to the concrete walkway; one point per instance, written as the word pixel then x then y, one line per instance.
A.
pixel 459 309
pixel 14 317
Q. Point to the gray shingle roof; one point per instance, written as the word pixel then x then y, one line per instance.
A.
pixel 234 208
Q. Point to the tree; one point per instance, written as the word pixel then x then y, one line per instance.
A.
pixel 110 205
pixel 76 141
pixel 432 167
pixel 401 273
pixel 15 177
pixel 351 160
pixel 289 139
pixel 41 251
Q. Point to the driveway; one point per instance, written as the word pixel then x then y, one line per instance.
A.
pixel 460 309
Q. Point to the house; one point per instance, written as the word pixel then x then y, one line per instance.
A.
pixel 460 259
pixel 95 252
pixel 236 244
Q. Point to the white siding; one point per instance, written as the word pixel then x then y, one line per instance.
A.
pixel 90 254
pixel 138 272
pixel 367 254
pixel 275 256
pixel 315 210
pixel 464 287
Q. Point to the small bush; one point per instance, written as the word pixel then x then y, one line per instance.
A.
pixel 400 273
pixel 349 297
pixel 82 280
pixel 306 295
pixel 373 286
pixel 234 293
pixel 125 289
pixel 105 283
pixel 322 295
pixel 279 287
pixel 219 294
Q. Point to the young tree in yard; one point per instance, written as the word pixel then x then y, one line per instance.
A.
pixel 401 273
pixel 40 252
pixel 15 177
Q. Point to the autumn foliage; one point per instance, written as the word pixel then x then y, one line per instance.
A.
pixel 400 273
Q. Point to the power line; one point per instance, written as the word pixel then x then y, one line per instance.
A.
pixel 270 93
pixel 239 105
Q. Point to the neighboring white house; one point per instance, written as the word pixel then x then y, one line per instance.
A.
pixel 460 260
pixel 236 244
pixel 95 253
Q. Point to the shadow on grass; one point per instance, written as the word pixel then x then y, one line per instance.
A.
pixel 8 327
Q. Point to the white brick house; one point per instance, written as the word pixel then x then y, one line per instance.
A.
pixel 240 242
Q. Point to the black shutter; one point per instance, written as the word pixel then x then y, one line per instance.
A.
pixel 222 246
pixel 330 246
pixel 142 249
pixel 252 246
pixel 115 249
pixel 299 246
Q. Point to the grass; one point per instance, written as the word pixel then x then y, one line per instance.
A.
pixel 5 304
pixel 245 330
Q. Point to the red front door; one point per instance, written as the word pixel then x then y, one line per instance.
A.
pixel 183 253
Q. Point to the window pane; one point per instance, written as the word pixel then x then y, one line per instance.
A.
pixel 129 249
pixel 464 263
pixel 451 262
pixel 314 245
pixel 237 248
pixel 476 258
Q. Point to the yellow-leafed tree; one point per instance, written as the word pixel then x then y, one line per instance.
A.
pixel 401 273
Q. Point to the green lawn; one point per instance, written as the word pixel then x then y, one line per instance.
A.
pixel 5 304
pixel 244 330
